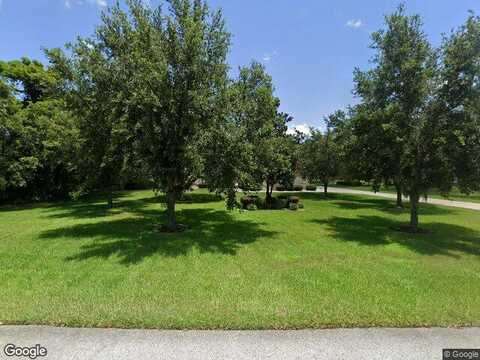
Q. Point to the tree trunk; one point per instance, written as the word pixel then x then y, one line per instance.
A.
pixel 325 188
pixel 268 196
pixel 110 198
pixel 171 218
pixel 399 195
pixel 414 211
pixel 231 198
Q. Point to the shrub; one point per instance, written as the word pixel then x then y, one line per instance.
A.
pixel 247 201
pixel 311 188
pixel 280 188
pixel 300 205
pixel 260 203
pixel 252 207
pixel 298 188
pixel 203 186
pixel 279 203
pixel 348 182
pixel 293 199
pixel 293 206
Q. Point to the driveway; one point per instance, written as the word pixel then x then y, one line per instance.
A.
pixel 355 344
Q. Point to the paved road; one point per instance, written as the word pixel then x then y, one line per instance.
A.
pixel 355 344
pixel 443 202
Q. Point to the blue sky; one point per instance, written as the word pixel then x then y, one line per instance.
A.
pixel 310 47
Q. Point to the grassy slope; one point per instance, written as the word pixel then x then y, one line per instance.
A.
pixel 336 263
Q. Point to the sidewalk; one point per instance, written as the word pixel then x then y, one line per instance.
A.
pixel 355 344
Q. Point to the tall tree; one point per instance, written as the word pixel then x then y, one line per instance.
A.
pixel 404 92
pixel 395 93
pixel 171 69
pixel 255 112
pixel 320 154
pixel 458 103
pixel 93 90
pixel 38 135
pixel 249 146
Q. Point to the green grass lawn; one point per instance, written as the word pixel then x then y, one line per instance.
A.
pixel 337 263
pixel 455 194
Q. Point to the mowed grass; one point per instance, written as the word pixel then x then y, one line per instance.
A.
pixel 337 263
pixel 454 195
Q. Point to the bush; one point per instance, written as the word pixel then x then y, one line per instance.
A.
pixel 252 207
pixel 279 203
pixel 260 203
pixel 300 205
pixel 298 188
pixel 348 182
pixel 280 188
pixel 203 186
pixel 293 199
pixel 293 206
pixel 311 188
pixel 246 201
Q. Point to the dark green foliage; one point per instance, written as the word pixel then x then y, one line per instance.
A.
pixel 293 199
pixel 418 123
pixel 247 200
pixel 280 188
pixel 298 188
pixel 320 153
pixel 311 188
pixel 38 135
pixel 279 203
pixel 293 206
pixel 348 182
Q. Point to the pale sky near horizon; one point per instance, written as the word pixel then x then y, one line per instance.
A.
pixel 310 47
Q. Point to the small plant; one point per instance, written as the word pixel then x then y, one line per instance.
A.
pixel 252 207
pixel 311 188
pixel 293 200
pixel 293 206
pixel 300 205
pixel 298 188
pixel 279 203
pixel 246 201
pixel 260 202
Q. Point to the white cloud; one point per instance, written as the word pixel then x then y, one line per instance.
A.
pixel 354 23
pixel 269 56
pixel 302 128
pixel 70 3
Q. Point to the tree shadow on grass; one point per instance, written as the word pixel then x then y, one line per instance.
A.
pixel 93 208
pixel 388 205
pixel 443 239
pixel 135 239
pixel 359 202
